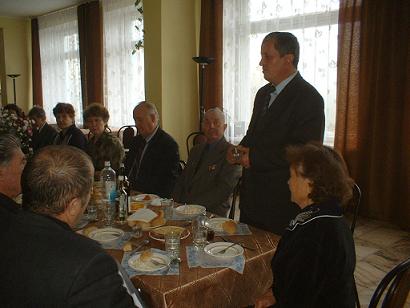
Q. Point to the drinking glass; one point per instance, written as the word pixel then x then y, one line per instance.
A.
pixel 167 205
pixel 199 231
pixel 172 244
pixel 109 213
pixel 92 212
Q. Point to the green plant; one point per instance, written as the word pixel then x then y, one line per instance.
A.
pixel 139 26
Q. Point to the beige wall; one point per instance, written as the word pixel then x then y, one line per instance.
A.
pixel 17 50
pixel 171 41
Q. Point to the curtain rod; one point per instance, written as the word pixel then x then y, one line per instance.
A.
pixel 62 9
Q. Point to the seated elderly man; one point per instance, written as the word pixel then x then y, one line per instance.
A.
pixel 43 262
pixel 209 179
pixel 153 161
pixel 43 134
pixel 12 162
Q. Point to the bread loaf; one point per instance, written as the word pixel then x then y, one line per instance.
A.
pixel 146 255
pixel 229 226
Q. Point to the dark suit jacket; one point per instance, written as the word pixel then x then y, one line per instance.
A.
pixel 73 136
pixel 44 137
pixel 43 263
pixel 159 166
pixel 212 183
pixel 296 116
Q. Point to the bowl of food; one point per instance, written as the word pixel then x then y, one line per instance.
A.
pixel 190 210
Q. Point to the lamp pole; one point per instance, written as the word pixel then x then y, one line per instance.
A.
pixel 14 76
pixel 203 62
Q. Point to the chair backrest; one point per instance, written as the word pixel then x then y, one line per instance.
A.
pixel 193 139
pixel 126 133
pixel 397 283
pixel 235 196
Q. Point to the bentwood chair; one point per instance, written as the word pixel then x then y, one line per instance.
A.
pixel 397 283
pixel 193 139
pixel 235 199
pixel 126 133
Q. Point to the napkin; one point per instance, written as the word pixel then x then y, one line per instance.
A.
pixel 174 267
pixel 197 257
pixel 144 215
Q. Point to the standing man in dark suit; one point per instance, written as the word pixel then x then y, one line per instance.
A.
pixel 153 161
pixel 288 110
pixel 43 133
pixel 43 262
pixel 209 179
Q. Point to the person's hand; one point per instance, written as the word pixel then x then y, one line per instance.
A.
pixel 233 155
pixel 265 300
pixel 245 162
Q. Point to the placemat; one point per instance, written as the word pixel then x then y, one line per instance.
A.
pixel 173 269
pixel 197 257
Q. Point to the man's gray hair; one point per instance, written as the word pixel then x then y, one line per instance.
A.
pixel 152 109
pixel 218 112
pixel 8 145
pixel 55 176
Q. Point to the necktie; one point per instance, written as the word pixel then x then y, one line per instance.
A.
pixel 136 164
pixel 265 106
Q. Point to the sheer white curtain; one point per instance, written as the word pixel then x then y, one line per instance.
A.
pixel 123 71
pixel 60 61
pixel 246 22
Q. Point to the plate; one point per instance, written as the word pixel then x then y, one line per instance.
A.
pixel 216 223
pixel 106 235
pixel 190 209
pixel 147 266
pixel 144 197
pixel 159 233
pixel 213 249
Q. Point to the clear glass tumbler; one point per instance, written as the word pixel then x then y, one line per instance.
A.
pixel 172 244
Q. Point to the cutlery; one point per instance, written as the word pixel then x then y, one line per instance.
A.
pixel 139 246
pixel 221 252
pixel 156 263
pixel 238 243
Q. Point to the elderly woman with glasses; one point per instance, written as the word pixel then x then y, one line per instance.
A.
pixel 314 263
pixel 102 145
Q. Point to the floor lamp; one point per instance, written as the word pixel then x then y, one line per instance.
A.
pixel 203 62
pixel 14 76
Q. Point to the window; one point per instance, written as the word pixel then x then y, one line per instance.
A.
pixel 123 71
pixel 60 61
pixel 246 22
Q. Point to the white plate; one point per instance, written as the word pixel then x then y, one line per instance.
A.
pixel 147 266
pixel 216 223
pixel 213 249
pixel 190 209
pixel 106 235
pixel 142 197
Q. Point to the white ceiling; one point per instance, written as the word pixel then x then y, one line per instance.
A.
pixel 27 8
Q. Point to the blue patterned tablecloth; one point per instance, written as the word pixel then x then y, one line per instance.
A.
pixel 241 229
pixel 197 257
pixel 173 270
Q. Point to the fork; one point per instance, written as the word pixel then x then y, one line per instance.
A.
pixel 226 248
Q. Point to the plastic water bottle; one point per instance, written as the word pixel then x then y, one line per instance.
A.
pixel 109 182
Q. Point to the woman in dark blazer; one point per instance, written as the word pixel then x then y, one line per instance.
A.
pixel 69 134
pixel 314 263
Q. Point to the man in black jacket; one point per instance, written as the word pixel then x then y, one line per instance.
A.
pixel 288 110
pixel 153 161
pixel 43 262
pixel 43 133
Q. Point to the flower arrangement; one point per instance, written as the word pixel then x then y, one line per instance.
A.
pixel 19 126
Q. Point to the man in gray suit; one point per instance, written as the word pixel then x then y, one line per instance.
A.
pixel 209 179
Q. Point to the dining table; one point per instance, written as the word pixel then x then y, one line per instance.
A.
pixel 207 287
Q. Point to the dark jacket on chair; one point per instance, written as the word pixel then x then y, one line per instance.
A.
pixel 156 173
